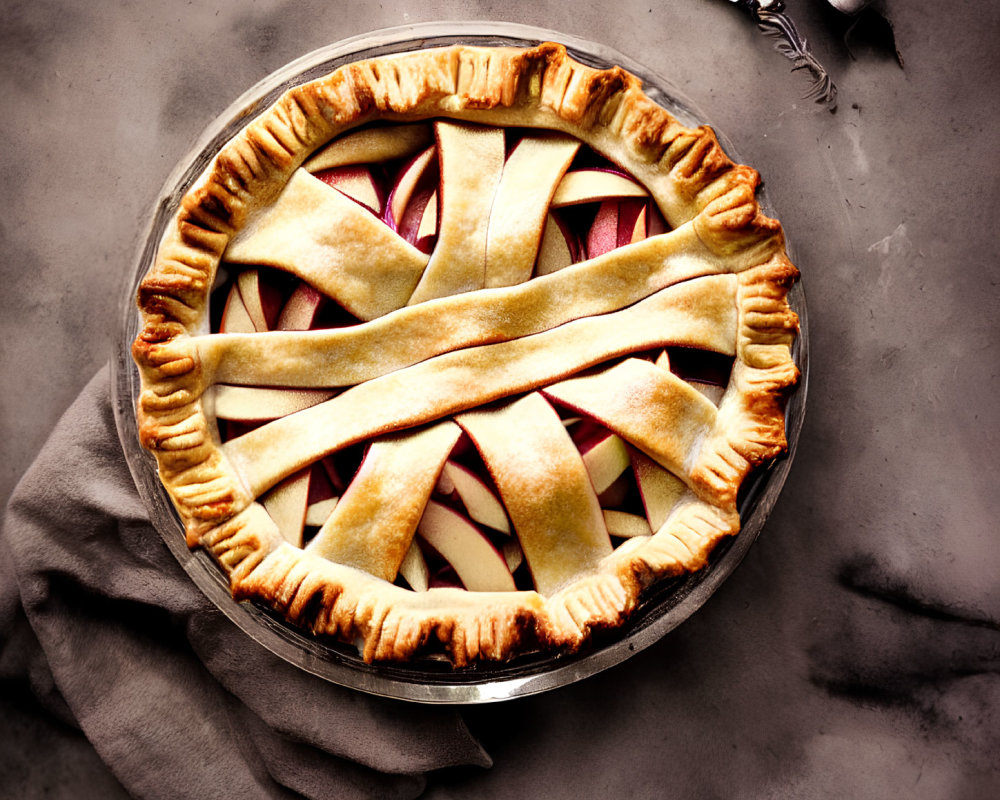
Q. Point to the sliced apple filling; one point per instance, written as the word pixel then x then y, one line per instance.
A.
pixel 479 393
pixel 464 348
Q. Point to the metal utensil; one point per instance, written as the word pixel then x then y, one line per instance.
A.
pixel 772 20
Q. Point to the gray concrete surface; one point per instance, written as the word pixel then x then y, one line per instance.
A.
pixel 855 652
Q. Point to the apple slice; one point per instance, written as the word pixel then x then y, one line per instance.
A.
pixel 358 183
pixel 248 282
pixel 301 309
pixel 428 228
pixel 617 223
pixel 317 513
pixel 595 185
pixel 418 225
pixel 606 459
pixel 320 486
pixel 603 234
pixel 479 500
pixel 406 184
pixel 235 317
pixel 261 404
pixel 625 525
pixel 660 489
pixel 656 224
pixel 616 494
pixel 559 247
pixel 286 503
pixel 632 226
pixel 479 565
pixel 261 298
pixel 371 146
pixel 512 553
pixel 414 569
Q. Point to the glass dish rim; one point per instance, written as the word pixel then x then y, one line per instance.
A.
pixel 479 683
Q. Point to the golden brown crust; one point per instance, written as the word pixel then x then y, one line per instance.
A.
pixel 691 180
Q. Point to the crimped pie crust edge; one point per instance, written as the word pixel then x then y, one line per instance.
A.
pixel 688 175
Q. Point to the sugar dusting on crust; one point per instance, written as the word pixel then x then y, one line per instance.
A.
pixel 690 178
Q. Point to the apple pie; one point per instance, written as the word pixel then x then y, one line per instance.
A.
pixel 458 351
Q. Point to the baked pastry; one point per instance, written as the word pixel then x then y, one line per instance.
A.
pixel 457 351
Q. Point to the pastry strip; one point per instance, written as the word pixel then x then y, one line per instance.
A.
pixel 559 523
pixel 699 313
pixel 471 162
pixel 346 356
pixel 328 240
pixel 530 176
pixel 255 404
pixel 373 524
pixel 633 398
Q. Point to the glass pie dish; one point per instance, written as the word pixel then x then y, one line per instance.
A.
pixel 430 678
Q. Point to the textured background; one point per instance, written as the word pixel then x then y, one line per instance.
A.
pixel 855 652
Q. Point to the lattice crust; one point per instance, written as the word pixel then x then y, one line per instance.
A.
pixel 472 342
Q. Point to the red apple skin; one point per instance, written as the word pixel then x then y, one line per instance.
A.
pixel 425 244
pixel 632 218
pixel 409 225
pixel 587 432
pixel 320 486
pixel 603 234
pixel 656 224
pixel 613 170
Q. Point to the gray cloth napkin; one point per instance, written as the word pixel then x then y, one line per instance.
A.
pixel 175 699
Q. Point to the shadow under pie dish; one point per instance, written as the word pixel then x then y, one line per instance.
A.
pixel 460 350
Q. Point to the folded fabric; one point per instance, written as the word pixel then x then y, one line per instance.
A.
pixel 176 699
